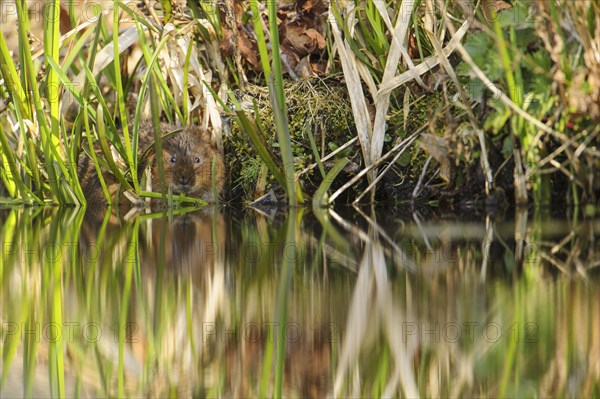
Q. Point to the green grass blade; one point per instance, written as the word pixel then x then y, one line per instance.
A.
pixel 130 156
pixel 107 153
pixel 11 80
pixel 267 363
pixel 175 198
pixel 95 88
pixel 52 48
pixel 7 156
pixel 6 175
pixel 136 17
pixel 319 199
pixel 220 101
pixel 261 146
pixel 77 49
pixel 280 108
pixel 313 146
pixel 94 157
pixel 66 81
pixel 157 138
pixel 33 161
pixel 260 39
pixel 167 10
pixel 186 94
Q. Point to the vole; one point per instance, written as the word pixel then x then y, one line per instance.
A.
pixel 188 159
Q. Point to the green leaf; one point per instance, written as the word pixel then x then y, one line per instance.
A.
pixel 507 147
pixel 515 16
pixel 482 48
pixel 497 119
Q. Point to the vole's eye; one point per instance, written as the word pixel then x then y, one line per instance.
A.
pixel 196 160
pixel 173 159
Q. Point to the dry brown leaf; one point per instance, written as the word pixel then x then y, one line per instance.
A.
pixel 437 147
pixel 304 68
pixel 299 40
pixel 297 47
pixel 413 49
pixel 311 6
pixel 289 59
pixel 226 45
pixel 316 37
pixel 248 49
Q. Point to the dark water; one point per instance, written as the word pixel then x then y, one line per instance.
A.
pixel 343 303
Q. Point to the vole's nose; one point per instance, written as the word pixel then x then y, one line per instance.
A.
pixel 184 180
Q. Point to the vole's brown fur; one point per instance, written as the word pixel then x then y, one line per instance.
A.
pixel 187 165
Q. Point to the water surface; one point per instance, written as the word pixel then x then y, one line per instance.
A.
pixel 345 303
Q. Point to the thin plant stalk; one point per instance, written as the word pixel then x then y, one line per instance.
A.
pixel 94 157
pixel 516 98
pixel 121 100
pixel 280 107
pixel 157 138
pixel 260 39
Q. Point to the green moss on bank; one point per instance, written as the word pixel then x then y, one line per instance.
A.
pixel 318 107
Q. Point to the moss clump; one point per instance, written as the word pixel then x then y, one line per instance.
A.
pixel 422 108
pixel 315 107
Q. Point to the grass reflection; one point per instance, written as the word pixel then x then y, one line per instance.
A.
pixel 240 304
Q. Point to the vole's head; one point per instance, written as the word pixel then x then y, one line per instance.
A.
pixel 188 162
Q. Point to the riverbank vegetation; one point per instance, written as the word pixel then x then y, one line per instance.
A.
pixel 316 102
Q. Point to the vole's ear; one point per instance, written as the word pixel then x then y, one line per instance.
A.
pixel 207 135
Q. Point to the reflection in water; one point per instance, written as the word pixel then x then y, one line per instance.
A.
pixel 236 304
